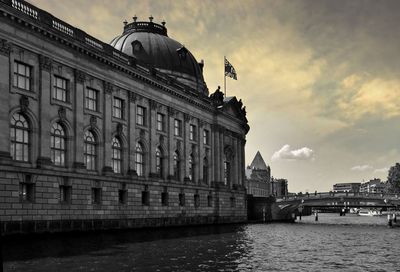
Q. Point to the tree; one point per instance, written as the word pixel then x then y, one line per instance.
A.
pixel 393 180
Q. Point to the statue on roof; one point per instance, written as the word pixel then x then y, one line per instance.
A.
pixel 217 97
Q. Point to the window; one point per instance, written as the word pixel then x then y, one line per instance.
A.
pixel 192 133
pixel 139 160
pixel 60 89
pixel 205 170
pixel 22 76
pixel 164 198
pixel 141 116
pixel 19 138
pixel 27 190
pixel 118 108
pixel 209 200
pixel 206 137
pixel 90 150
pixel 146 196
pixel 191 167
pixel 177 166
pixel 159 162
pixel 116 159
pixel 177 127
pixel 96 195
pixel 181 199
pixel 196 200
pixel 122 194
pixel 91 99
pixel 65 194
pixel 57 144
pixel 160 122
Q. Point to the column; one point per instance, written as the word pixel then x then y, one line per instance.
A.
pixel 186 146
pixel 5 49
pixel 153 137
pixel 221 153
pixel 170 130
pixel 131 111
pixel 43 159
pixel 107 127
pixel 201 152
pixel 78 100
pixel 216 164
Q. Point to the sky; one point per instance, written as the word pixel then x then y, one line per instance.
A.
pixel 319 79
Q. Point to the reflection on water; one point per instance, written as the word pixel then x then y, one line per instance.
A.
pixel 333 243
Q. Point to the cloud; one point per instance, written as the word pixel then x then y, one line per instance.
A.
pixel 285 153
pixel 361 168
pixel 382 170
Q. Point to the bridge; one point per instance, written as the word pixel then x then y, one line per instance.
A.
pixel 284 207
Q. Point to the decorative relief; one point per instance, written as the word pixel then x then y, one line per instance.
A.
pixel 132 97
pixel 45 63
pixel 5 47
pixel 62 113
pixel 108 87
pixel 93 121
pixel 24 103
pixel 120 129
pixel 80 76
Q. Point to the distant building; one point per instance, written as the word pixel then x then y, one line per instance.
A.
pixel 258 176
pixel 347 187
pixel 279 187
pixel 373 186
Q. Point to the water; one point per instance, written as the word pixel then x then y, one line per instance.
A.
pixel 349 243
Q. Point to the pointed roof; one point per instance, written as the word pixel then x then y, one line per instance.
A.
pixel 258 162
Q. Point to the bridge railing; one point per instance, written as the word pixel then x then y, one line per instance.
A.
pixel 339 194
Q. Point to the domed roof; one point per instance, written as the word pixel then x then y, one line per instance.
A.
pixel 149 43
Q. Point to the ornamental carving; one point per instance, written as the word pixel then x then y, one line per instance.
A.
pixel 120 129
pixel 5 47
pixel 45 63
pixel 79 76
pixel 62 113
pixel 132 97
pixel 93 121
pixel 108 88
pixel 24 103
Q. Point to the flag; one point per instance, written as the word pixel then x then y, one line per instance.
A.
pixel 229 70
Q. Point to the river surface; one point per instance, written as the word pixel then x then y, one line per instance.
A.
pixel 334 243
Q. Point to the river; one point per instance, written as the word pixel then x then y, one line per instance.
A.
pixel 334 243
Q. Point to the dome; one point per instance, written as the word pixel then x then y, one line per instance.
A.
pixel 149 43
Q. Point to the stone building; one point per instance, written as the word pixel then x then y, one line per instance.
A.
pixel 258 176
pixel 97 135
pixel 279 187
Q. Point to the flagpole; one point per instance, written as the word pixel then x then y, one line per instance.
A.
pixel 224 78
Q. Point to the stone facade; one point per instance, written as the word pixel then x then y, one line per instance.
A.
pixel 258 177
pixel 88 135
pixel 279 187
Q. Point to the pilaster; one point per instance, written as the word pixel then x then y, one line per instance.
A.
pixel 78 98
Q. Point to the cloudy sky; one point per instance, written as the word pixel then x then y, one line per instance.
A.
pixel 320 79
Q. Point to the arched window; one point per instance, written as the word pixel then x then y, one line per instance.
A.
pixel 159 162
pixel 205 170
pixel 19 135
pixel 116 159
pixel 90 150
pixel 139 160
pixel 177 166
pixel 57 144
pixel 191 167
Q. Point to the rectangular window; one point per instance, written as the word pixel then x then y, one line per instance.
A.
pixel 206 137
pixel 96 196
pixel 65 194
pixel 145 198
pixel 160 122
pixel 118 108
pixel 141 116
pixel 60 89
pixel 164 198
pixel 22 76
pixel 181 199
pixel 27 192
pixel 192 133
pixel 196 200
pixel 177 127
pixel 122 196
pixel 91 99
